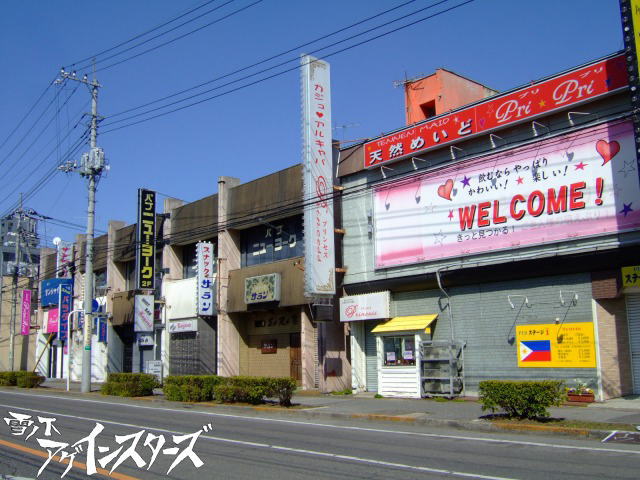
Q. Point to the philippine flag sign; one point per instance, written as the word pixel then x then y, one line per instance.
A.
pixel 535 351
pixel 566 345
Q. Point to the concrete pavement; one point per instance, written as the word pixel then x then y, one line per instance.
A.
pixel 461 413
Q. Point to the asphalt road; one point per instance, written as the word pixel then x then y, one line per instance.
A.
pixel 248 446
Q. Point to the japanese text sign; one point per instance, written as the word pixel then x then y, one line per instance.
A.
pixel 52 320
pixel 319 272
pixel 143 313
pixel 26 312
pixel 572 186
pixel 65 304
pixel 263 288
pixel 569 345
pixel 146 239
pixel 205 276
pixel 64 256
pixel 522 105
pixel 368 306
pixel 631 276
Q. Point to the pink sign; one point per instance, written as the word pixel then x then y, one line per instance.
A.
pixel 52 320
pixel 26 312
pixel 572 186
pixel 524 104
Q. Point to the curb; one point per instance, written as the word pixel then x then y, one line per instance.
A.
pixel 318 413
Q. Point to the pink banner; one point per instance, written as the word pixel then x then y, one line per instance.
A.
pixel 26 312
pixel 568 187
pixel 52 320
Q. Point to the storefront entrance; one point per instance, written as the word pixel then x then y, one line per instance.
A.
pixel 633 317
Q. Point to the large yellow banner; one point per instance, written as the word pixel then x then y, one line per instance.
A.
pixel 566 345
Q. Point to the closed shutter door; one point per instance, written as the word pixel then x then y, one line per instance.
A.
pixel 184 354
pixel 371 357
pixel 633 317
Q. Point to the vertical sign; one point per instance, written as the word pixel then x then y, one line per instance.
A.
pixel 630 10
pixel 52 320
pixel 143 313
pixel 146 239
pixel 102 330
pixel 65 306
pixel 204 276
pixel 63 259
pixel 319 273
pixel 26 312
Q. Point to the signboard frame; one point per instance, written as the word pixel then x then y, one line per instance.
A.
pixel 146 240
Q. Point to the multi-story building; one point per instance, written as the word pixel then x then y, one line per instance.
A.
pixel 492 241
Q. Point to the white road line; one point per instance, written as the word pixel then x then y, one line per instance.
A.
pixel 341 427
pixel 314 453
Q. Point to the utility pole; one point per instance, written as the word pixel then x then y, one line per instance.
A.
pixel 14 302
pixel 91 166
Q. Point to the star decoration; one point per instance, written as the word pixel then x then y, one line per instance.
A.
pixel 450 215
pixel 580 166
pixel 626 208
pixel 465 181
pixel 519 180
pixel 439 238
pixel 542 103
pixel 430 208
pixel 628 167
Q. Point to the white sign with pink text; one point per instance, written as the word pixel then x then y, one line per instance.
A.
pixel 365 307
pixel 572 186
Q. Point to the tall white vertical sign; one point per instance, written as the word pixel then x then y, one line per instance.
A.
pixel 64 257
pixel 319 273
pixel 205 258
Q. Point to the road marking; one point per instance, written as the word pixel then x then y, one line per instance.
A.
pixel 38 453
pixel 244 443
pixel 336 427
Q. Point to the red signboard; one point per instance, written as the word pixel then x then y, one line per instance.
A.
pixel 524 104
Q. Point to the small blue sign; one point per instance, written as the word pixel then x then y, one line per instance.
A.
pixel 102 330
pixel 49 290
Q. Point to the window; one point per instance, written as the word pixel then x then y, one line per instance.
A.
pixel 429 109
pixel 272 241
pixel 100 279
pixel 399 351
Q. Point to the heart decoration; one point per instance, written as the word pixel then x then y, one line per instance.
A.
pixel 444 190
pixel 482 123
pixel 570 156
pixel 607 150
pixel 320 114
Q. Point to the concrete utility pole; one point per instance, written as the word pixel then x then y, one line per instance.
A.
pixel 91 166
pixel 14 301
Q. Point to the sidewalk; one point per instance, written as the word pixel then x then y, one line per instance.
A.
pixel 458 413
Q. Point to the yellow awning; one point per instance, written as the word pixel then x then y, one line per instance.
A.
pixel 406 324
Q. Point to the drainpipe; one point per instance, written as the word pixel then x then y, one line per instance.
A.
pixel 453 336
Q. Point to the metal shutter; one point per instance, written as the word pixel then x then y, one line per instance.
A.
pixel 371 357
pixel 633 318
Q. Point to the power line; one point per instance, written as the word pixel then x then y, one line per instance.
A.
pixel 260 62
pixel 136 37
pixel 273 75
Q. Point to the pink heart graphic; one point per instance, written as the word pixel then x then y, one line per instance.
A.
pixel 482 123
pixel 607 150
pixel 320 114
pixel 444 190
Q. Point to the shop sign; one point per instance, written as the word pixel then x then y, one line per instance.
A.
pixel 64 256
pixel 154 367
pixel 146 339
pixel 49 290
pixel 183 326
pixel 25 323
pixel 577 185
pixel 566 345
pixel 365 307
pixel 263 288
pixel 146 239
pixel 319 271
pixel 52 320
pixel 269 346
pixel 631 276
pixel 205 277
pixel 65 304
pixel 522 105
pixel 143 313
pixel 102 330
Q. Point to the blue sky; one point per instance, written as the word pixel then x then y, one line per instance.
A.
pixel 253 131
